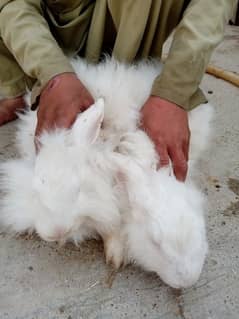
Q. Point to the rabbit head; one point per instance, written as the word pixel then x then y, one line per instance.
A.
pixel 181 245
pixel 167 232
pixel 67 183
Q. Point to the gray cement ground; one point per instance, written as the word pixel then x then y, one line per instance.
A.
pixel 40 281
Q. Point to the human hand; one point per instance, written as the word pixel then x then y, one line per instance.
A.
pixel 61 101
pixel 167 125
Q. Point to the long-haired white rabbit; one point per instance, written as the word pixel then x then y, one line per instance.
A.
pixel 93 180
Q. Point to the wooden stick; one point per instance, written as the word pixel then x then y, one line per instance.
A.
pixel 223 74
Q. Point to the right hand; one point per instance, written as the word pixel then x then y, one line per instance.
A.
pixel 63 98
pixel 167 125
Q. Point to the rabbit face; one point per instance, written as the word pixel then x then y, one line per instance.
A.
pixel 58 186
pixel 181 253
pixel 68 182
pixel 168 237
pixel 177 257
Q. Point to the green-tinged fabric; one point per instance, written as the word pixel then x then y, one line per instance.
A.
pixel 70 26
pixel 198 33
pixel 3 3
pixel 26 34
pixel 13 80
pixel 36 33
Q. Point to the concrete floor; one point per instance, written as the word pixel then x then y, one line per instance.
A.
pixel 40 281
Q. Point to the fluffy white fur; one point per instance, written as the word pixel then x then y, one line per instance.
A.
pixel 96 180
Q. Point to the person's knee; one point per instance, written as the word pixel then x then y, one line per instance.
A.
pixel 9 108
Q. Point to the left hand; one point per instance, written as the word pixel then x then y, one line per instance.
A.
pixel 167 125
pixel 63 98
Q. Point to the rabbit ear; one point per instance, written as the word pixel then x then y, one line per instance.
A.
pixel 134 182
pixel 87 126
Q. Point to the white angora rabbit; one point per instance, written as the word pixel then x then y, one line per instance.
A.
pixel 100 179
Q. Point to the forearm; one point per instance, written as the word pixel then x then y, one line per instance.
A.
pixel 198 33
pixel 26 34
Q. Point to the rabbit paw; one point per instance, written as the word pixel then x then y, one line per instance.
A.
pixel 114 251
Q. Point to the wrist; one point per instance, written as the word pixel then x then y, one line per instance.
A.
pixel 161 102
pixel 59 78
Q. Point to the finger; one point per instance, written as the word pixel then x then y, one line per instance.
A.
pixel 180 166
pixel 51 121
pixel 65 122
pixel 186 146
pixel 186 150
pixel 43 119
pixel 163 155
pixel 38 129
pixel 42 125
